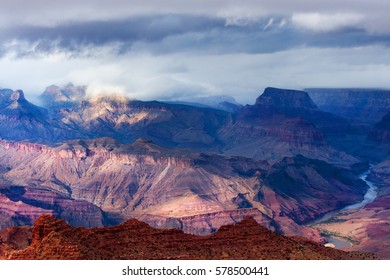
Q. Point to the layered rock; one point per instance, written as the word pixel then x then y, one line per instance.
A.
pixel 367 105
pixel 108 116
pixel 13 239
pixel 23 205
pixel 186 189
pixel 377 144
pixel 285 123
pixel 284 99
pixel 326 186
pixel 381 131
pixel 54 239
pixel 127 120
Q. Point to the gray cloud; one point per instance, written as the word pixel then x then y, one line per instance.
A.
pixel 163 34
pixel 373 14
pixel 152 50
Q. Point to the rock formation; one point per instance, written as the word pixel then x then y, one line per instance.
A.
pixel 169 186
pixel 101 161
pixel 285 123
pixel 367 105
pixel 54 239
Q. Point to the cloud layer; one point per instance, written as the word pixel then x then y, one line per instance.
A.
pixel 151 50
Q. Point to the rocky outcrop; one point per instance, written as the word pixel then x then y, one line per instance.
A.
pixel 13 239
pixel 205 224
pixel 54 239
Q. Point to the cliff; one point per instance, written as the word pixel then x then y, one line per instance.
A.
pixel 368 105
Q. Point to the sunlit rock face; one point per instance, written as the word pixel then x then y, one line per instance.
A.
pixel 192 191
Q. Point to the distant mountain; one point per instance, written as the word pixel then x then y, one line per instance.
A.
pixel 21 120
pixel 18 107
pixel 285 123
pixel 221 102
pixel 55 96
pixel 284 100
pixel 280 123
pixel 127 120
pixel 100 161
pixel 5 97
pixel 52 238
pixel 367 105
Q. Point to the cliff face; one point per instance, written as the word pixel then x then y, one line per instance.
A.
pixel 286 123
pixel 195 192
pixel 368 105
pixel 54 239
pixel 380 134
pixel 377 143
pixel 172 177
pixel 283 99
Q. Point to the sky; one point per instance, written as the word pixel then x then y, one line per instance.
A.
pixel 178 50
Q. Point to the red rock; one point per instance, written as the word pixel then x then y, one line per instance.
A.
pixel 54 239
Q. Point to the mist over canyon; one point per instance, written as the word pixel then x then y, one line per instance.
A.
pixel 197 165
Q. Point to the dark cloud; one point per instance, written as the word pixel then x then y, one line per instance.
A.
pixel 164 34
pixel 156 49
pixel 75 37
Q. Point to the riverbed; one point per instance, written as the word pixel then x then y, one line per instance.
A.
pixel 370 196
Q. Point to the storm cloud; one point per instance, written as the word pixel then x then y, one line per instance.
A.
pixel 172 49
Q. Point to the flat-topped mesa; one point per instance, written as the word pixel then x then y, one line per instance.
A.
pixel 286 99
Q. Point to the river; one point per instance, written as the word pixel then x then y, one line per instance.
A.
pixel 370 196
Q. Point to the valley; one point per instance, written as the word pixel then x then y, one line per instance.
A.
pixel 293 166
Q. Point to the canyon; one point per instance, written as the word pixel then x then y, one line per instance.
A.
pixel 98 162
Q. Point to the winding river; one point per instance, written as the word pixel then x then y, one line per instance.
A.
pixel 370 196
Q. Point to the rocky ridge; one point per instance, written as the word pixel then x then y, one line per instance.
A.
pixel 54 239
